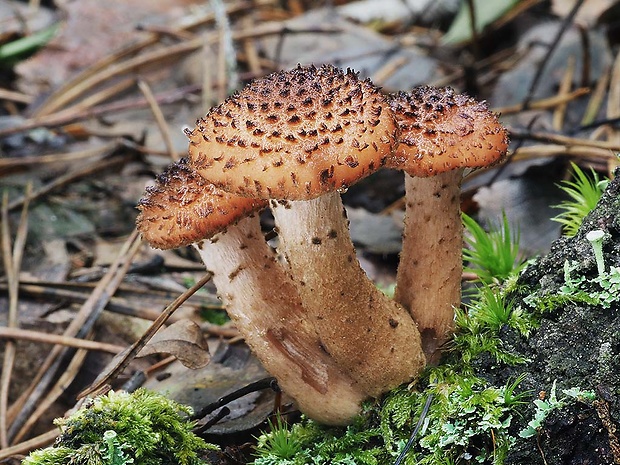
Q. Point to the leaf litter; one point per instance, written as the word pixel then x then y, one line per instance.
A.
pixel 94 114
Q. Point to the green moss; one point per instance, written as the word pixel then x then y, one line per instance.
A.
pixel 216 316
pixel 584 192
pixel 143 428
pixel 492 255
pixel 310 443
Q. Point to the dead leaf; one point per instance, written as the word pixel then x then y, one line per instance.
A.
pixel 91 30
pixel 19 18
pixel 513 85
pixel 588 13
pixel 526 201
pixel 351 46
pixel 233 367
pixel 182 339
pixel 486 13
pixel 425 11
pixel 377 234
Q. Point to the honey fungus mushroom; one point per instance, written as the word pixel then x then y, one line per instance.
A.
pixel 260 297
pixel 298 137
pixel 441 134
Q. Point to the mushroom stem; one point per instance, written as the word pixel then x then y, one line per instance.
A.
pixel 264 305
pixel 370 336
pixel 428 283
pixel 439 132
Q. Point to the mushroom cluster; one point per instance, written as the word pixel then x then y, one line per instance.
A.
pixel 184 209
pixel 294 140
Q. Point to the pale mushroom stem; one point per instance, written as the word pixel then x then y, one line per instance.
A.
pixel 428 281
pixel 262 301
pixel 372 338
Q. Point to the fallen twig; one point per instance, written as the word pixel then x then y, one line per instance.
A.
pixel 12 265
pixel 164 129
pixel 34 443
pixel 37 336
pixel 71 176
pixel 79 327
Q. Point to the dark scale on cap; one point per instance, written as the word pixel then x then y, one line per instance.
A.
pixel 352 162
pixel 290 113
pixel 183 208
pixel 442 131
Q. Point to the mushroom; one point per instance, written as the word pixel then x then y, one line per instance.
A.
pixel 441 134
pixel 260 297
pixel 298 137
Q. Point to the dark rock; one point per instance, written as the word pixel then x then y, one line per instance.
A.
pixel 576 346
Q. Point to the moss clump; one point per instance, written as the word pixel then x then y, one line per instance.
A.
pixel 143 428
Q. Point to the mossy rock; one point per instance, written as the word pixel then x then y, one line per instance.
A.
pixel 577 345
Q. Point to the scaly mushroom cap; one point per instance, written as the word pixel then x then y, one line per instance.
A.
pixel 442 131
pixel 294 135
pixel 182 208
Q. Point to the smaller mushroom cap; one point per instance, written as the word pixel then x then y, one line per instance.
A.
pixel 183 208
pixel 294 135
pixel 442 131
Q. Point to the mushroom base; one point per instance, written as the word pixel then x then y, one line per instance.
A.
pixel 265 306
pixel 372 338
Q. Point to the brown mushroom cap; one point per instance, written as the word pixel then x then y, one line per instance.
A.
pixel 294 135
pixel 442 131
pixel 182 208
